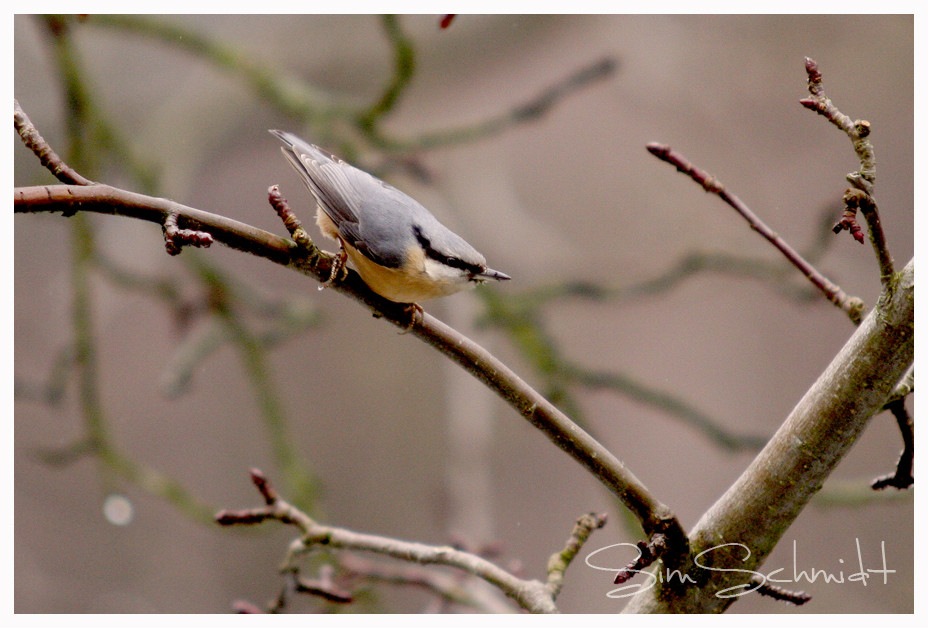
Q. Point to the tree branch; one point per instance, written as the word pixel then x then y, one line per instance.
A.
pixel 864 180
pixel 759 507
pixel 654 516
pixel 532 595
pixel 37 144
pixel 852 306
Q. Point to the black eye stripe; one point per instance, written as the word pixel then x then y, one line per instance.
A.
pixel 454 262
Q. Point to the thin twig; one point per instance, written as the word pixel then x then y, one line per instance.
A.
pixel 292 97
pixel 852 306
pixel 448 586
pixel 667 402
pixel 796 598
pixel 648 552
pixel 323 587
pixel 902 477
pixel 530 110
pixel 560 561
pixel 53 389
pixel 404 65
pixel 47 157
pixel 855 200
pixel 175 238
pixel 858 131
pixel 289 218
pixel 521 317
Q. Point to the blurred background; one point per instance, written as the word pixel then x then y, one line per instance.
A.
pixel 646 308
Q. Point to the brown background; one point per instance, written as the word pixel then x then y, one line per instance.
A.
pixel 573 195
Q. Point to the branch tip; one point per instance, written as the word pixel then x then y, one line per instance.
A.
pixel 264 486
pixel 815 77
pixel 560 561
pixel 49 159
pixel 648 552
pixel 797 598
pixel 289 218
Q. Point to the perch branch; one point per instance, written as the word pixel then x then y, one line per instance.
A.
pixel 653 515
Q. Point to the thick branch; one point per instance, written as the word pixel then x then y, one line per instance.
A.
pixel 759 507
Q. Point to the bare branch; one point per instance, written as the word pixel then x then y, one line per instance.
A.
pixel 857 130
pixel 289 218
pixel 37 144
pixel 323 587
pixel 404 65
pixel 559 561
pixel 796 598
pixel 653 515
pixel 758 508
pixel 532 595
pixel 852 306
pixel 902 477
pixel 863 180
pixel 292 97
pixel 855 200
pixel 449 587
pixel 532 109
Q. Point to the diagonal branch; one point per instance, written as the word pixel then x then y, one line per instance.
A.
pixel 654 516
pixel 852 306
pixel 759 507
pixel 37 144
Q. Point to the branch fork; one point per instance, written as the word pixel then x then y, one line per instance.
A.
pixel 531 595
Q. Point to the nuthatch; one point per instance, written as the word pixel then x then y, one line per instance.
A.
pixel 397 246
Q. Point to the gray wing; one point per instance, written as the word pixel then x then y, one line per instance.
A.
pixel 374 217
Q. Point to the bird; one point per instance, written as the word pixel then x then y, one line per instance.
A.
pixel 400 250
